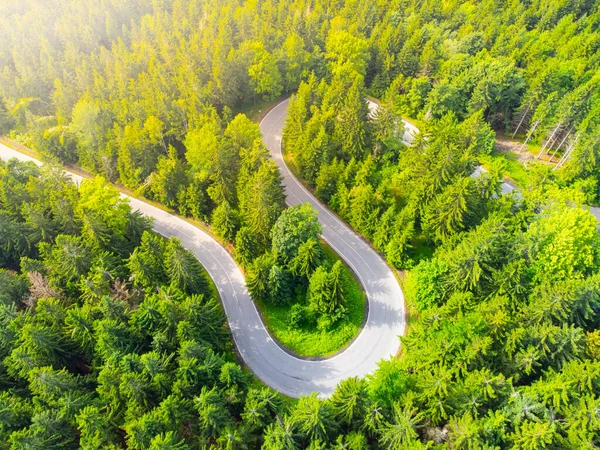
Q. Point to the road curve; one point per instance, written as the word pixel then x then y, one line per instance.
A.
pixel 385 322
pixel 269 362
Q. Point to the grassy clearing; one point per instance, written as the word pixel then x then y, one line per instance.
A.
pixel 411 313
pixel 309 340
pixel 514 169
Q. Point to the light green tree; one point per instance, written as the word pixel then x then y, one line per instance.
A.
pixel 294 227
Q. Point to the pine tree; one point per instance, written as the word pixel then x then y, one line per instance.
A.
pixel 319 292
pixel 336 282
pixel 183 269
pixel 313 418
pixel 261 202
pixel 258 278
pixel 448 213
pixel 352 128
pixel 350 402
pixel 168 441
pixel 279 286
pixel 224 221
pixel 68 259
pixel 308 258
pixel 146 263
pixel 282 435
pixel 402 431
pixel 246 248
pixel 169 179
pixel 213 415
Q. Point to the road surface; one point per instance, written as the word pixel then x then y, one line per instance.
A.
pixel 269 362
pixel 385 321
pixel 285 373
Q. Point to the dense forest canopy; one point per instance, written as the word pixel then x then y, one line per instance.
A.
pixel 111 85
pixel 111 336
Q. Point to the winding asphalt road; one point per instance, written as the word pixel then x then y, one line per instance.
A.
pixel 385 320
pixel 274 366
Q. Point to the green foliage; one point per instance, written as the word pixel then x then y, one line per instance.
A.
pixel 297 317
pixel 307 259
pixel 246 248
pixel 261 202
pixel 424 283
pixel 298 326
pixel 326 291
pixel 6 120
pixel 263 71
pixel 448 213
pixel 564 244
pixel 258 279
pixel 67 260
pixel 183 269
pixel 319 291
pixel 503 352
pixel 279 286
pixel 14 287
pixel 295 227
pixel 313 418
pixel 107 221
pixel 146 263
pixel 349 402
pixel 224 221
pixel 168 181
pixel 108 350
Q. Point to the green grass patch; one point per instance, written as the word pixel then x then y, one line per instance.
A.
pixel 534 149
pixel 513 168
pixel 309 340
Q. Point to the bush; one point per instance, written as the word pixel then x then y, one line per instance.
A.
pixel 424 284
pixel 297 317
pixel 326 322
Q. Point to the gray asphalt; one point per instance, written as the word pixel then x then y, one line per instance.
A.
pixel 287 374
pixel 269 362
pixel 385 320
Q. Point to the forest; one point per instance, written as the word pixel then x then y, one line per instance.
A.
pixel 114 337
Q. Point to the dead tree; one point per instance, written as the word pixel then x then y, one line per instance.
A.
pixel 567 154
pixel 561 143
pixel 524 116
pixel 530 134
pixel 556 129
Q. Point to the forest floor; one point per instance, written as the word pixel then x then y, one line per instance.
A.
pixel 309 340
pixel 516 158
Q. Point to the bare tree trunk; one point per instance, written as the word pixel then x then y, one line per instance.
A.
pixel 535 125
pixel 546 144
pixel 567 154
pixel 561 143
pixel 521 121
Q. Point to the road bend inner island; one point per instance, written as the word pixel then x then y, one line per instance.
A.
pixel 284 372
